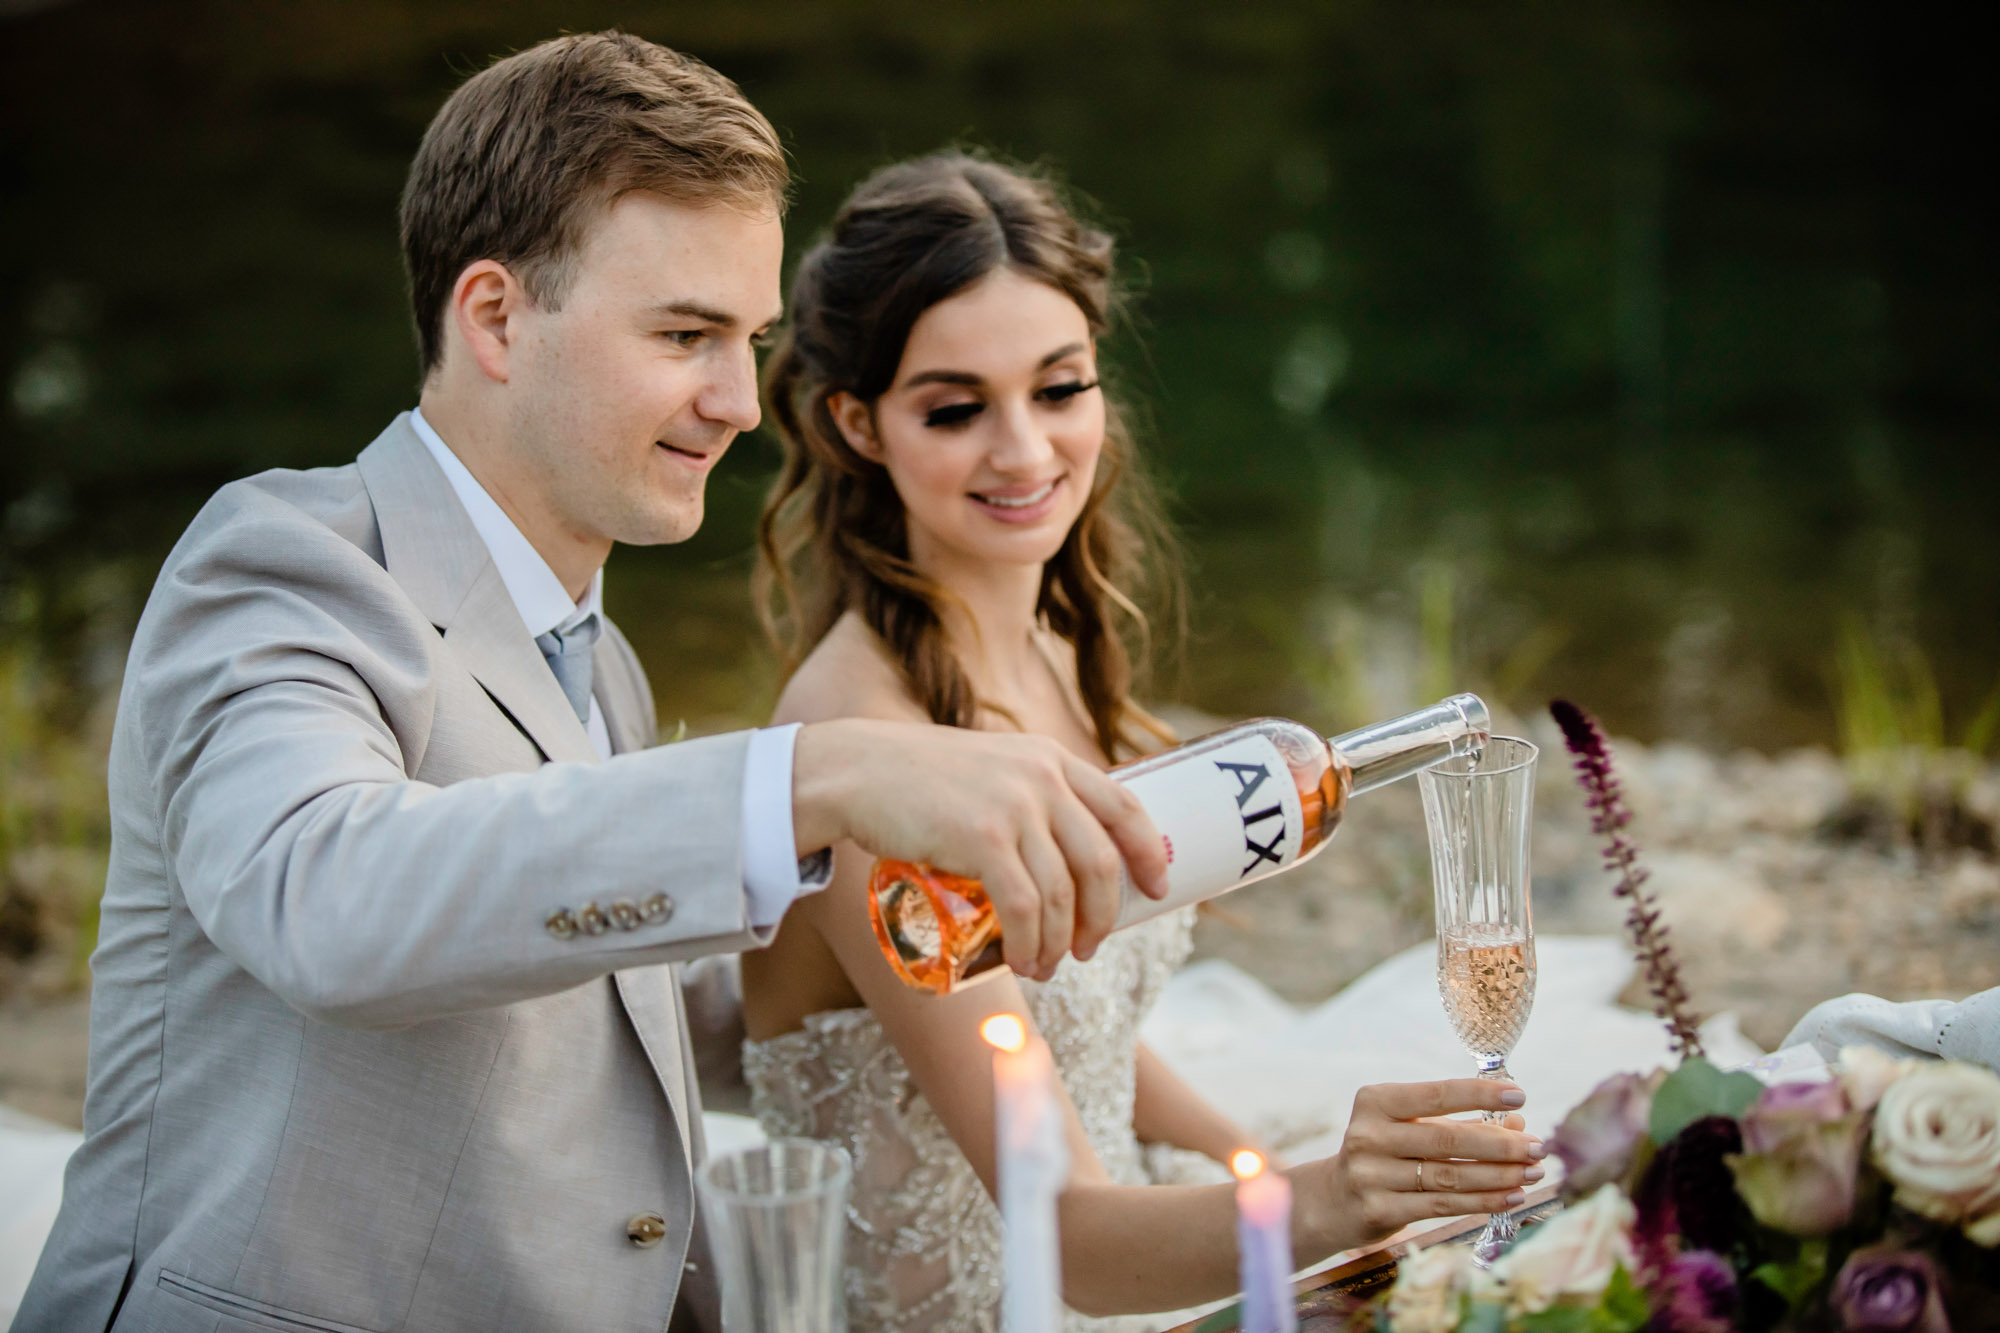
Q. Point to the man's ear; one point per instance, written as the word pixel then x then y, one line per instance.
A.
pixel 857 424
pixel 485 303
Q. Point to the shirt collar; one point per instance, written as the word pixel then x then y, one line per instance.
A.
pixel 539 596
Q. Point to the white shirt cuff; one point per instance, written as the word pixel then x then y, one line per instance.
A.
pixel 773 876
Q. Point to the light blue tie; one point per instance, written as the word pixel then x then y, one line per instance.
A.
pixel 568 654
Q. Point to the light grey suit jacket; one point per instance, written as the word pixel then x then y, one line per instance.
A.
pixel 343 1073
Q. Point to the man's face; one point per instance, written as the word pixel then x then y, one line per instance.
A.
pixel 625 397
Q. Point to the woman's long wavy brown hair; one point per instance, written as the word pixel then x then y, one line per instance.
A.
pixel 832 536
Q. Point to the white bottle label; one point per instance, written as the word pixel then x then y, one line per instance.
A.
pixel 1229 815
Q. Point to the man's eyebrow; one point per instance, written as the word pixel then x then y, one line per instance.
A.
pixel 707 314
pixel 973 381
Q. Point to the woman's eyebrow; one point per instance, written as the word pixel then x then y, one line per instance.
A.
pixel 973 381
pixel 943 377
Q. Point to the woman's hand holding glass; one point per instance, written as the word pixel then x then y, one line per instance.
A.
pixel 1402 1161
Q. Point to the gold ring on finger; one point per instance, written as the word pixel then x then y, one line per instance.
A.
pixel 1420 1176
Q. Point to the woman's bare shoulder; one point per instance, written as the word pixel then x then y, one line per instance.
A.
pixel 848 674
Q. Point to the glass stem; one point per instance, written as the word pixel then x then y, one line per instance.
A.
pixel 1501 1228
pixel 1494 1067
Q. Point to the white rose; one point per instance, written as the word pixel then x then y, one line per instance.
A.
pixel 1425 1297
pixel 1569 1258
pixel 1866 1072
pixel 1937 1136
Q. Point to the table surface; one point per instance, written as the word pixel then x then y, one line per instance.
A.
pixel 1357 1275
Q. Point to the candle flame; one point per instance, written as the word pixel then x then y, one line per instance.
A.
pixel 1246 1164
pixel 1005 1032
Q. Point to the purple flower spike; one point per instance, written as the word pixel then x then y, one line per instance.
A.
pixel 1886 1290
pixel 1608 818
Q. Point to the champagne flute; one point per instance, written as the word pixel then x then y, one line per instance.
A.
pixel 1478 808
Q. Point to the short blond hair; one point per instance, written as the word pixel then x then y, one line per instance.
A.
pixel 529 151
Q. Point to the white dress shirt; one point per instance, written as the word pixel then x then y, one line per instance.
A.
pixel 771 877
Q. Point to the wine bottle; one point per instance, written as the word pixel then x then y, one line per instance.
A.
pixel 1234 807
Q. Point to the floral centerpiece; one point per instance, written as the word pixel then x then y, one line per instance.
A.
pixel 1704 1202
pixel 1700 1201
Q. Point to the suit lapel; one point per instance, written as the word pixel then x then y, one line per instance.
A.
pixel 432 550
pixel 651 996
pixel 622 714
pixel 435 554
pixel 488 635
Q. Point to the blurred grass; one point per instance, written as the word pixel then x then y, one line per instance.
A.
pixel 55 825
pixel 1358 662
pixel 1910 772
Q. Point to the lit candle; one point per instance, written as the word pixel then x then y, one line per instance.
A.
pixel 1263 1246
pixel 1033 1166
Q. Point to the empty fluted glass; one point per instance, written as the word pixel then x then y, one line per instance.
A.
pixel 777 1220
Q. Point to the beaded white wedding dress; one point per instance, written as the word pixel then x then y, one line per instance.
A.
pixel 923 1237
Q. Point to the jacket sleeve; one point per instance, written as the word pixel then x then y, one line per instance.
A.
pixel 286 693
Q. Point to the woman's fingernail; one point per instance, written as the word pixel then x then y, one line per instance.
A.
pixel 1538 1150
pixel 1533 1174
pixel 1515 1197
pixel 1513 1097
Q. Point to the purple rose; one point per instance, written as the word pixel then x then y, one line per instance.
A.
pixel 1885 1290
pixel 1802 1157
pixel 1781 1110
pixel 1599 1141
pixel 1694 1293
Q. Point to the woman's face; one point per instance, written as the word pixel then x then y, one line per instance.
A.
pixel 992 427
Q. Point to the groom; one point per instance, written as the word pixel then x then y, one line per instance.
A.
pixel 386 1031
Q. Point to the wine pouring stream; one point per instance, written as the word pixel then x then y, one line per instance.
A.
pixel 1235 806
pixel 1478 808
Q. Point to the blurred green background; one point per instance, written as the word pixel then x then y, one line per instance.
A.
pixel 1632 352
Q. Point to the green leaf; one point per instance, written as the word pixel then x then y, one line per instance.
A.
pixel 1225 1320
pixel 1481 1317
pixel 1695 1090
pixel 1557 1319
pixel 1795 1279
pixel 680 732
pixel 1623 1308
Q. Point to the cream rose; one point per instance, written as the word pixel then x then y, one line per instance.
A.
pixel 1937 1137
pixel 1425 1297
pixel 1865 1073
pixel 1570 1258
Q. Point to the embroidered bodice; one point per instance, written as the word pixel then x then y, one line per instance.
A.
pixel 923 1239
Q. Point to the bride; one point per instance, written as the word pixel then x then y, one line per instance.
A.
pixel 955 537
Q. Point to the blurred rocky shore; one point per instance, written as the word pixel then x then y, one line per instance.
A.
pixel 1784 882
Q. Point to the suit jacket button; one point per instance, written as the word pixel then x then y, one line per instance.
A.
pixel 561 924
pixel 624 914
pixel 590 919
pixel 656 909
pixel 645 1230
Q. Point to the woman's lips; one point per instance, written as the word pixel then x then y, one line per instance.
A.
pixel 1018 504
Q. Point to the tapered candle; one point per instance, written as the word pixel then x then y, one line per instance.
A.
pixel 1263 1246
pixel 1032 1163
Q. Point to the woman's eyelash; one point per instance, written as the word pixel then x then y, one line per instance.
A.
pixel 1062 393
pixel 953 414
pixel 957 414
